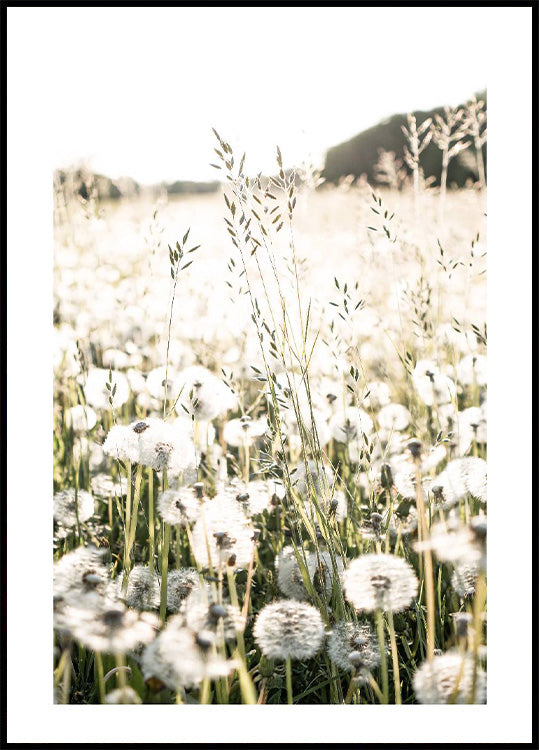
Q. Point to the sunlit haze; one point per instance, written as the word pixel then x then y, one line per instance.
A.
pixel 136 91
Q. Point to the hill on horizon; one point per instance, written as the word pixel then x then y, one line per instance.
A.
pixel 359 155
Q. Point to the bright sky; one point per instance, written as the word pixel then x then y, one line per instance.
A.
pixel 135 91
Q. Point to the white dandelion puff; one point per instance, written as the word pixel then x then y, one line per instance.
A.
pixel 244 431
pixel 80 578
pixel 180 583
pixel 356 640
pixel 202 395
pixel 202 613
pixel 464 578
pixel 472 367
pixel 143 589
pixel 319 568
pixel 104 486
pixel 104 384
pixel 350 424
pixel 225 532
pixel 115 629
pixel 378 581
pixel 456 542
pixel 121 444
pixel 394 417
pixel 180 658
pixel 70 503
pixel 432 386
pixel 178 507
pixel 289 629
pixel 81 418
pixel 122 696
pixel 467 475
pixel 449 678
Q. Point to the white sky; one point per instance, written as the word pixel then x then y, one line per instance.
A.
pixel 136 91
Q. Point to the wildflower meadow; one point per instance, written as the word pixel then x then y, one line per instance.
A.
pixel 270 436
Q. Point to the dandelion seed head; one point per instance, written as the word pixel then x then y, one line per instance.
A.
pixel 317 477
pixel 319 568
pixel 467 475
pixel 432 386
pixel 68 502
pixel 114 629
pixel 178 507
pixel 81 418
pixel 203 614
pixel 289 578
pixel 394 417
pixel 454 542
pixel 350 424
pixel 180 583
pixel 125 695
pixel 357 639
pixel 472 367
pixel 289 628
pixel 202 395
pixel 225 530
pixel 448 675
pixel 403 522
pixel 253 498
pixel 377 581
pixel 244 432
pixel 143 589
pixel 164 446
pixel 97 394
pixel 104 486
pixel 121 444
pixel 471 425
pixel 80 580
pixel 177 658
pixel 379 394
pixel 155 383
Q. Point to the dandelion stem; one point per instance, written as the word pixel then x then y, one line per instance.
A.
pixel 352 687
pixel 120 673
pixel 134 514
pixel 289 694
pixel 247 597
pixel 248 692
pixel 383 657
pixel 66 681
pixel 100 676
pixel 164 571
pixel 234 599
pixel 395 657
pixel 428 566
pixel 478 606
pixel 246 464
pixel 205 691
pixel 151 521
pixel 127 526
pixel 374 685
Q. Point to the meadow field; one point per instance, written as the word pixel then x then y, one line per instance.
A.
pixel 270 443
